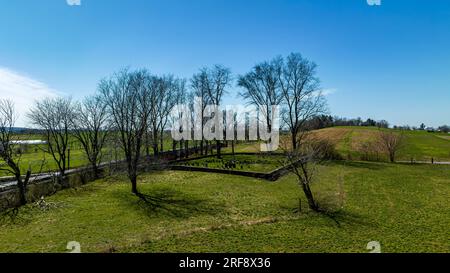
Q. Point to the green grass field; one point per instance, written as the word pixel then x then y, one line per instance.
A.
pixel 403 207
pixel 418 145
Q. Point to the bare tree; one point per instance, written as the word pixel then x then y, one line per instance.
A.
pixel 302 98
pixel 302 161
pixel 200 85
pixel 90 128
pixel 171 89
pixel 8 117
pixel 219 79
pixel 180 97
pixel 54 117
pixel 391 143
pixel 162 98
pixel 156 97
pixel 262 88
pixel 126 95
pixel 190 100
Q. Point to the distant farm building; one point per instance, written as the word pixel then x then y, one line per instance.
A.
pixel 23 145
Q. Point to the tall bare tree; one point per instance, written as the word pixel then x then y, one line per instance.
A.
pixel 54 117
pixel 126 95
pixel 200 85
pixel 90 128
pixel 156 96
pixel 302 99
pixel 162 98
pixel 391 142
pixel 262 88
pixel 8 117
pixel 171 89
pixel 218 79
pixel 180 97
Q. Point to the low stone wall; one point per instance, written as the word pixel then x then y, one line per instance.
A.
pixel 222 171
pixel 272 176
pixel 46 185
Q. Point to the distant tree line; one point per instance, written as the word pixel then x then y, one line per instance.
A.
pixel 423 127
pixel 444 128
pixel 326 121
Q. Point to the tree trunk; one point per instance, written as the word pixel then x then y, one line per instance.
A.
pixel 294 141
pixel 96 170
pixel 22 191
pixel 218 146
pixel 162 142
pixel 232 147
pixel 155 144
pixel 186 148
pixel 147 144
pixel 174 147
pixel 309 196
pixel 392 157
pixel 133 180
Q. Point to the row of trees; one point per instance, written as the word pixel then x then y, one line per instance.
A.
pixel 290 83
pixel 325 121
pixel 133 108
pixel 423 127
pixel 130 107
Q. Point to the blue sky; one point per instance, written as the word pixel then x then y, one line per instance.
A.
pixel 386 62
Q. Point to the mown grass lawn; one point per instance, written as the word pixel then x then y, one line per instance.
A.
pixel 403 207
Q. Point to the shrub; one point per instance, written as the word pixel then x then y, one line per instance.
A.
pixel 325 150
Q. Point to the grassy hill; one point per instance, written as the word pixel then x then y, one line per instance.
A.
pixel 419 145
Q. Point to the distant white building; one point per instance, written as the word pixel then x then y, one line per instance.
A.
pixel 23 145
pixel 28 142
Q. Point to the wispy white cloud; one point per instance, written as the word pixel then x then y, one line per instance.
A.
pixel 23 91
pixel 73 2
pixel 329 91
pixel 325 92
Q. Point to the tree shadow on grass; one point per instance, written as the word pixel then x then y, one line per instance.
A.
pixel 343 217
pixel 18 216
pixel 169 202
